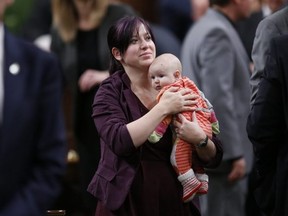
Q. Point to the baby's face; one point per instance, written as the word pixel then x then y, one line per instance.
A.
pixel 160 77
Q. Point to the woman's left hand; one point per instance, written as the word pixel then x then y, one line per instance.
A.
pixel 189 131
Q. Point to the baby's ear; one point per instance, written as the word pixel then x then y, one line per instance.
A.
pixel 177 74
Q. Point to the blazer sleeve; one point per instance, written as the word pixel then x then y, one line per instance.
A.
pixel 265 31
pixel 111 113
pixel 266 121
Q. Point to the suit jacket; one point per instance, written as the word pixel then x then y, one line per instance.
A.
pixel 267 129
pixel 214 58
pixel 273 25
pixel 32 138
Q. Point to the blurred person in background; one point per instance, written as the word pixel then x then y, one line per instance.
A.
pixel 37 28
pixel 175 16
pixel 274 25
pixel 32 136
pixel 79 39
pixel 38 21
pixel 274 5
pixel 267 130
pixel 199 8
pixel 252 30
pixel 247 27
pixel 178 16
pixel 213 56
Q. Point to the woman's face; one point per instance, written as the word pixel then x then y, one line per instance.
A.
pixel 141 50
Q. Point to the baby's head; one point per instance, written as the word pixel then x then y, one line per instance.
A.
pixel 164 70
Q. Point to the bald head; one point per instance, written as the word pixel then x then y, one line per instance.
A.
pixel 168 62
pixel 165 70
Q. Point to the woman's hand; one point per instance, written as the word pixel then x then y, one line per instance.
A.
pixel 174 100
pixel 189 131
pixel 91 78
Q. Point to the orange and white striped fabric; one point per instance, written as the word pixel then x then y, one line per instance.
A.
pixel 203 111
pixel 183 152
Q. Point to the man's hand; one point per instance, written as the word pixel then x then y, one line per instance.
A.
pixel 238 170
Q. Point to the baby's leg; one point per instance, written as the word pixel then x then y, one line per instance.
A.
pixel 200 174
pixel 181 159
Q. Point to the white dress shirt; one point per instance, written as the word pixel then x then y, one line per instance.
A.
pixel 1 70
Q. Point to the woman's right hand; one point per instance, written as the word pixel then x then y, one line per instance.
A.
pixel 174 100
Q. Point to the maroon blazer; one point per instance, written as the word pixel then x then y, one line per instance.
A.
pixel 119 157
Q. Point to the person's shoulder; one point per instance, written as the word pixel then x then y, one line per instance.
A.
pixel 210 21
pixel 29 49
pixel 277 17
pixel 114 84
pixel 280 14
pixel 116 79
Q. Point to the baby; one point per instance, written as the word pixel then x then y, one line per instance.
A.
pixel 165 72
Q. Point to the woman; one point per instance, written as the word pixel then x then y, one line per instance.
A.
pixel 79 40
pixel 135 177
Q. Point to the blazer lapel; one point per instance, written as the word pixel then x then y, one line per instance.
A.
pixel 131 99
pixel 13 83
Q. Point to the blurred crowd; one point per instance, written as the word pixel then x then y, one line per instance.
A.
pixel 75 34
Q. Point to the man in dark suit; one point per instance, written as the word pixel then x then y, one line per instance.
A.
pixel 267 129
pixel 32 138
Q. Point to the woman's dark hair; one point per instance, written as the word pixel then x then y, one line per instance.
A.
pixel 120 35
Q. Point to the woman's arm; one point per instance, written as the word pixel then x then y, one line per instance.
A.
pixel 119 121
pixel 172 101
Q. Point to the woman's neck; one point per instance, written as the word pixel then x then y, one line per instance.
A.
pixel 140 82
pixel 84 22
pixel 142 88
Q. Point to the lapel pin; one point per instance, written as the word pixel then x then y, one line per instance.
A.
pixel 14 68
